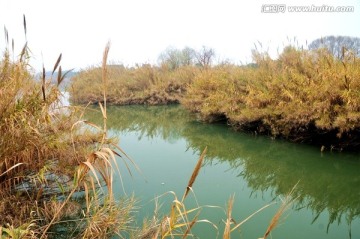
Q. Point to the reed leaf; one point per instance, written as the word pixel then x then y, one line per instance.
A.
pixel 64 75
pixel 59 76
pixel 285 205
pixel 87 200
pixel 43 84
pixel 253 214
pixel 57 64
pixel 23 52
pixel 129 158
pixel 190 226
pixel 11 168
pixel 103 111
pixel 90 123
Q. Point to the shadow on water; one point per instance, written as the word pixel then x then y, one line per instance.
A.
pixel 325 181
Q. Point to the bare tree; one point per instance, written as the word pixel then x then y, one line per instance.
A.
pixel 205 56
pixel 336 44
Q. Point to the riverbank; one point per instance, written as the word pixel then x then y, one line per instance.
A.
pixel 304 96
pixel 144 84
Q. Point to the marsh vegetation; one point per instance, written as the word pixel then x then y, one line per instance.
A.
pixel 58 164
pixel 57 168
pixel 306 96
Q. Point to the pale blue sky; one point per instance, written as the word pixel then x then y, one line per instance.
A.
pixel 140 29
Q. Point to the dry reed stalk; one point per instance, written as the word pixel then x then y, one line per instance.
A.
pixel 286 203
pixel 190 226
pixel 246 219
pixel 229 219
pixel 104 84
pixel 194 174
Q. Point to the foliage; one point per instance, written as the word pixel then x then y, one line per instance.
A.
pixel 173 58
pixel 47 157
pixel 306 96
pixel 143 84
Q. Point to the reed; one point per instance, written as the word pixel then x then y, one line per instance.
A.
pixel 47 155
pixel 285 205
pixel 194 174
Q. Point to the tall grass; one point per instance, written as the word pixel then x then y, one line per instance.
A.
pixel 143 84
pixel 305 96
pixel 47 156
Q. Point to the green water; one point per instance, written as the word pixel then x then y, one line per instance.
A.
pixel 166 142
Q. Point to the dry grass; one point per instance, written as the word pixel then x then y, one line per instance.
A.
pixel 305 96
pixel 143 84
pixel 47 155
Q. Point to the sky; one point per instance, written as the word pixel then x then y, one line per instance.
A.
pixel 139 30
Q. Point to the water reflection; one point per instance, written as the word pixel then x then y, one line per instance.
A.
pixel 325 182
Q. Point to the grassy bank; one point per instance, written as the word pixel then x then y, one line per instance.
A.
pixel 303 95
pixel 143 84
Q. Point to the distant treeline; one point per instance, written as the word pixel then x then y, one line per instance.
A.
pixel 303 95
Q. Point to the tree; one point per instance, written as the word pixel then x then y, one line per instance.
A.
pixel 175 58
pixel 205 56
pixel 188 56
pixel 336 44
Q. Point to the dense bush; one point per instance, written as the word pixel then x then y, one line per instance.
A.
pixel 143 84
pixel 303 95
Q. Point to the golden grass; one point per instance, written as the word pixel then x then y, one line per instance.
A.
pixel 305 96
pixel 143 84
pixel 46 156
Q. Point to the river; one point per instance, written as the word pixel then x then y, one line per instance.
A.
pixel 166 141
